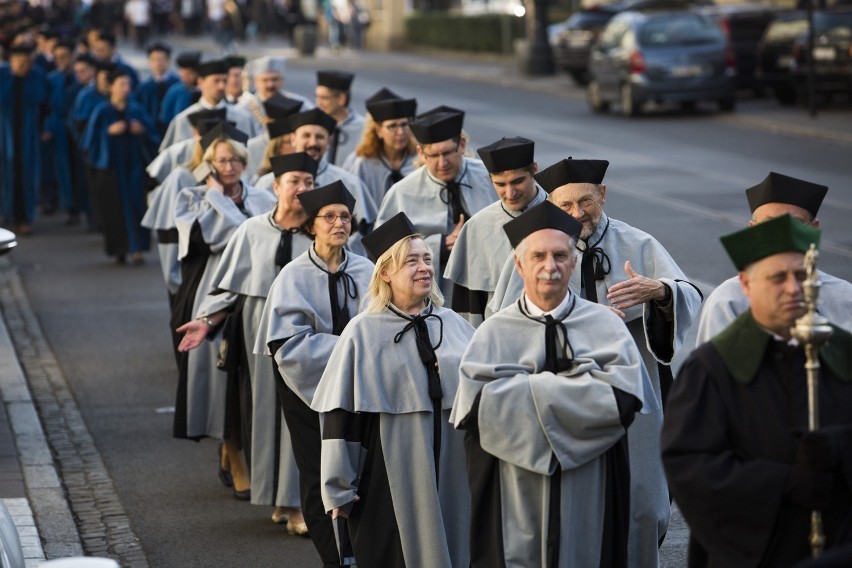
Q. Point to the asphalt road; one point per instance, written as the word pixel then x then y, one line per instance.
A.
pixel 680 177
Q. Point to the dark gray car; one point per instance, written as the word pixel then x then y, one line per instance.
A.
pixel 666 56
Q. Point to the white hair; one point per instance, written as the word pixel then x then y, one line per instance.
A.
pixel 521 249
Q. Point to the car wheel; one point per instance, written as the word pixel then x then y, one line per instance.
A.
pixel 594 99
pixel 580 76
pixel 629 105
pixel 727 104
pixel 785 94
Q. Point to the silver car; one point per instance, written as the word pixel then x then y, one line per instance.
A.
pixel 661 56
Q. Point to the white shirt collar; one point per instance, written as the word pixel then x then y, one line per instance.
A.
pixel 535 311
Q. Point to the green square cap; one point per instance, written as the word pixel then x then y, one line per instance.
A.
pixel 782 234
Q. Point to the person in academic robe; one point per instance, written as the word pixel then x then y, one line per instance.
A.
pixel 265 145
pixel 152 91
pixel 310 302
pixel 740 462
pixel 23 107
pixel 184 151
pixel 256 252
pixel 391 462
pixel 62 87
pixel 777 195
pixel 266 75
pixel 211 84
pixel 85 72
pixel 387 150
pixel 333 96
pixel 103 49
pixel 474 273
pixel 206 216
pixel 119 140
pixel 628 270
pixel 311 131
pixel 547 416
pixel 182 94
pixel 234 82
pixel 160 215
pixel 443 193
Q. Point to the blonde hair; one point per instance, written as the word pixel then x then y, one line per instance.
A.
pixel 371 143
pixel 276 147
pixel 239 150
pixel 379 293
pixel 197 157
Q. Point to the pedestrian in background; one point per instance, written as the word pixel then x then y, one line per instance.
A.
pixel 137 13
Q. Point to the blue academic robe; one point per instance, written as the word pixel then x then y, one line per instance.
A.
pixel 23 169
pixel 84 105
pixel 62 86
pixel 178 98
pixel 119 163
pixel 151 94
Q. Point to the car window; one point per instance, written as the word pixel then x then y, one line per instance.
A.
pixel 677 30
pixel 612 34
pixel 838 25
pixel 786 30
pixel 589 20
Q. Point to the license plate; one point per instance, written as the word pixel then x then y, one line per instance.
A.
pixel 684 71
pixel 824 54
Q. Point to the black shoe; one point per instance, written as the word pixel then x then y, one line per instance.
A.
pixel 224 474
pixel 244 495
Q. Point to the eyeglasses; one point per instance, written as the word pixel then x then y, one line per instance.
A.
pixel 394 126
pixel 233 162
pixel 446 155
pixel 330 218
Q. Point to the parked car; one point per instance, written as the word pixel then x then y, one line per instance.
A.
pixel 775 54
pixel 666 56
pixel 744 25
pixel 11 553
pixel 832 55
pixel 572 40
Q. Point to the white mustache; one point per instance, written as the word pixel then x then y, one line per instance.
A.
pixel 549 276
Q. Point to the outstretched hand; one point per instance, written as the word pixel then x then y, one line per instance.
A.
pixel 194 332
pixel 635 291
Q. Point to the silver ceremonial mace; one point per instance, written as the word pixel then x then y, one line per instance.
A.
pixel 812 330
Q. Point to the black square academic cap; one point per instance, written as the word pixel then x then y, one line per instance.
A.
pixel 335 192
pixel 508 154
pixel 778 188
pixel 279 106
pixel 313 116
pixel 387 105
pixel 440 109
pixel 295 162
pixel 223 130
pixel 209 124
pixel 545 215
pixel 21 49
pixel 212 67
pixel 387 234
pixel 568 171
pixel 438 127
pixel 188 59
pixel 159 46
pixel 235 61
pixel 340 80
pixel 278 127
pixel 197 117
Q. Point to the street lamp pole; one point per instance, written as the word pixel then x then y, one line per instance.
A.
pixel 540 60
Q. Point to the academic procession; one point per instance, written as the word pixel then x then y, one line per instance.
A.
pixel 416 352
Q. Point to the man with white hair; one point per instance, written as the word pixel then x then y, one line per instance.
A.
pixel 548 389
pixel 211 81
pixel 266 75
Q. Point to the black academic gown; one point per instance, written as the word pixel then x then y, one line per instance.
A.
pixel 729 441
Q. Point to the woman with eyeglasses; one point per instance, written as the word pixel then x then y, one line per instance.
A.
pixel 392 464
pixel 310 303
pixel 387 150
pixel 119 139
pixel 255 254
pixel 206 216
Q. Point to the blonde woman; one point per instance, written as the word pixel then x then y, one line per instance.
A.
pixel 387 150
pixel 391 462
pixel 206 216
pixel 280 134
